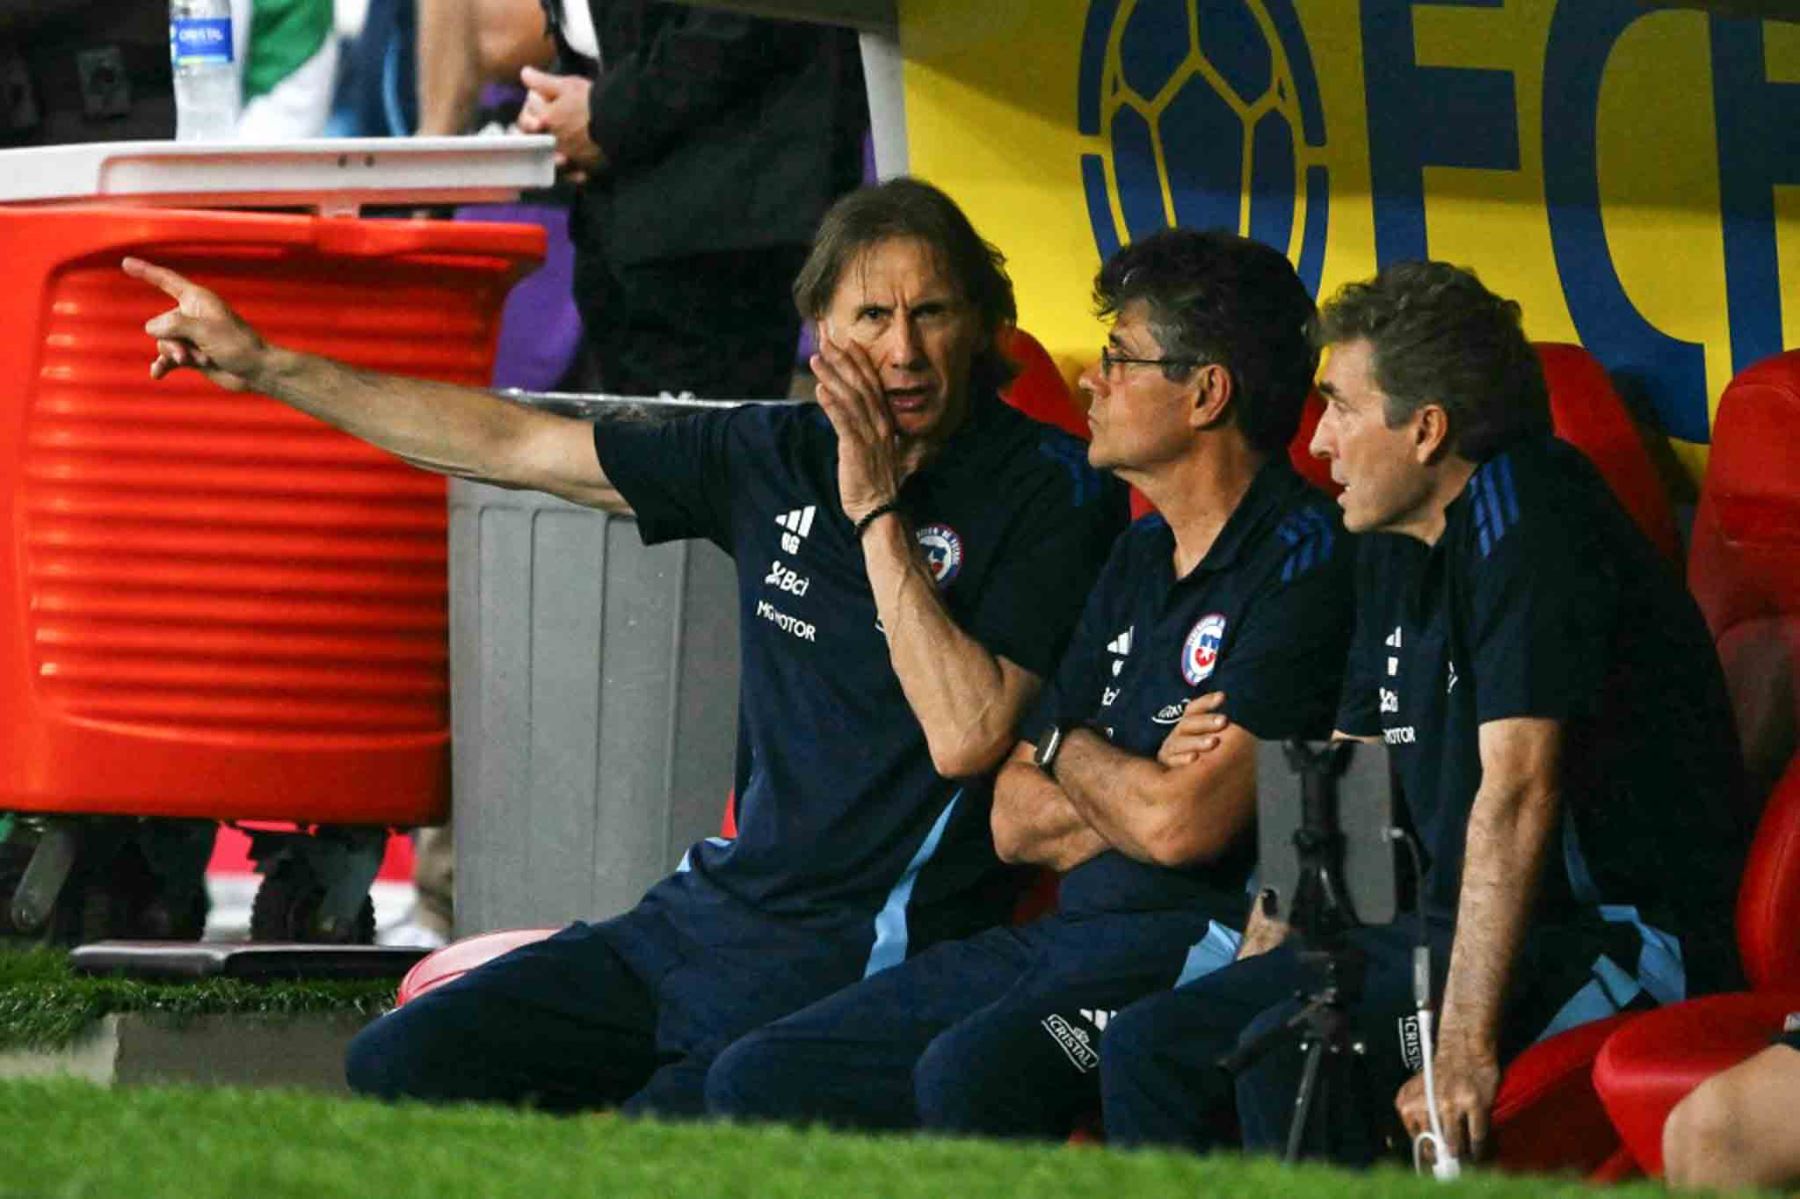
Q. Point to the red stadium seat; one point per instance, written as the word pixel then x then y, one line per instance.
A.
pixel 1039 390
pixel 1546 1117
pixel 1650 1065
pixel 1588 413
pixel 1744 569
pixel 1316 471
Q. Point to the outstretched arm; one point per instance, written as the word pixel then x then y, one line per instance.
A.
pixel 440 427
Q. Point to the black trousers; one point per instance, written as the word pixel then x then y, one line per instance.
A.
pixel 722 325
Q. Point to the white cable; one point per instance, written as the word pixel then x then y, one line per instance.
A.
pixel 1444 1165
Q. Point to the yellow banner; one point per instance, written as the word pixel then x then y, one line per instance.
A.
pixel 1630 175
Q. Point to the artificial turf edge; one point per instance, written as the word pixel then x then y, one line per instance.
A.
pixel 45 1005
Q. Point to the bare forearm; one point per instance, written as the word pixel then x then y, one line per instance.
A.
pixel 458 431
pixel 448 68
pixel 1509 831
pixel 437 426
pixel 1169 817
pixel 967 700
pixel 1035 824
pixel 1112 791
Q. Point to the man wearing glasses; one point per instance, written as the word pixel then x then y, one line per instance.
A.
pixel 1234 601
pixel 878 689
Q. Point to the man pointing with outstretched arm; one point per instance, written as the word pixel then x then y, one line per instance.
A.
pixel 912 555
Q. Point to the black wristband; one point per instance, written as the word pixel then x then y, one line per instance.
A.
pixel 873 515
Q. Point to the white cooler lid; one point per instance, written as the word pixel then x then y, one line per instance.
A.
pixel 330 174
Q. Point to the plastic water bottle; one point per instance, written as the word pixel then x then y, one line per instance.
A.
pixel 206 84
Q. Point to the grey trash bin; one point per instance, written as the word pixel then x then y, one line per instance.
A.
pixel 593 703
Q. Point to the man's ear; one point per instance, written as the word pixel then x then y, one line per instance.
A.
pixel 1210 389
pixel 1431 433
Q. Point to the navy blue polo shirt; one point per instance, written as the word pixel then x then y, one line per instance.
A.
pixel 1265 617
pixel 1543 599
pixel 840 814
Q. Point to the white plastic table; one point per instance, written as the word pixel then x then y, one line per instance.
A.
pixel 334 176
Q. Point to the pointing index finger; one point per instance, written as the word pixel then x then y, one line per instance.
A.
pixel 157 276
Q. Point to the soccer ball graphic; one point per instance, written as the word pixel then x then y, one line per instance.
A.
pixel 1205 114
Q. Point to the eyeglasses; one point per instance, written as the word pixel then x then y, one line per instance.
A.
pixel 1109 360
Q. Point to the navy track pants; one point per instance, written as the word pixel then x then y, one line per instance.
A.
pixel 1160 1079
pixel 627 1013
pixel 998 1035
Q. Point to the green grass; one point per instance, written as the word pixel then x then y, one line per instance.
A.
pixel 45 1005
pixel 70 1139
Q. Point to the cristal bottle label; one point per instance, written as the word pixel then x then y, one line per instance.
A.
pixel 199 40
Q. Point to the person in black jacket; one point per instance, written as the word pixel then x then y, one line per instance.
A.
pixel 708 145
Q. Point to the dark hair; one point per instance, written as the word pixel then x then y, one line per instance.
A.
pixel 1439 337
pixel 1215 297
pixel 909 208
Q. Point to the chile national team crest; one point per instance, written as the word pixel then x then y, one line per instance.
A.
pixel 1200 652
pixel 943 552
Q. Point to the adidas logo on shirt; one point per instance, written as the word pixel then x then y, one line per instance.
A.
pixel 1098 1017
pixel 1120 645
pixel 798 524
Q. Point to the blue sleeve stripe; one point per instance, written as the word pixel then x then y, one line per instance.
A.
pixel 1496 523
pixel 1507 491
pixel 1071 455
pixel 1496 502
pixel 891 933
pixel 1311 537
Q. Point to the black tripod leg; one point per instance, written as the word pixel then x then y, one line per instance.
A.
pixel 1304 1098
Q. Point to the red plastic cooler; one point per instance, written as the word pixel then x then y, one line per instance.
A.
pixel 210 605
